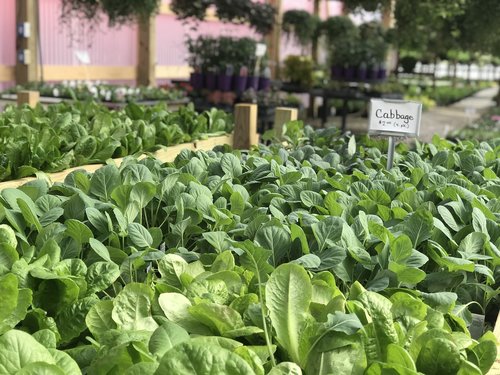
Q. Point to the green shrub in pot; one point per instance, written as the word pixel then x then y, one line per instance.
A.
pixel 299 70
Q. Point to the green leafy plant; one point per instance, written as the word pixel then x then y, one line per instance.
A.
pixel 302 25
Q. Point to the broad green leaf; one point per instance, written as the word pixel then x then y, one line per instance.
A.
pixel 327 232
pixel 401 248
pixel 418 226
pixel 99 319
pixel 231 165
pixel 298 232
pixel 439 356
pixel 10 293
pixel 78 231
pixel 486 353
pixel 100 249
pixel 256 260
pixel 18 350
pixel 218 318
pixel 100 275
pixel 131 308
pixel 104 181
pixel 276 239
pixel 396 355
pixel 288 295
pixel 166 337
pixel 139 235
pixel 201 359
pixel 285 368
pixel 71 320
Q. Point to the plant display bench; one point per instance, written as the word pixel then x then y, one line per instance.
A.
pixel 243 137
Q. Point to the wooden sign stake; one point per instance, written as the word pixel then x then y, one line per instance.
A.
pixel 245 128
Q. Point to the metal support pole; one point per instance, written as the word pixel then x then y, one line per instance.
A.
pixel 390 152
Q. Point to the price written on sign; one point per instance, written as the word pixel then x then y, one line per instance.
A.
pixel 395 117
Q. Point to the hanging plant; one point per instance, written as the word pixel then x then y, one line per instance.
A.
pixel 301 25
pixel 194 9
pixel 262 17
pixel 234 11
pixel 118 12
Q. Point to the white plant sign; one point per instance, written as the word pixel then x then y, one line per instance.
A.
pixel 394 118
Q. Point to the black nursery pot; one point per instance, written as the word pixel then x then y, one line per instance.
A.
pixel 264 83
pixel 349 73
pixel 224 82
pixel 373 73
pixel 196 81
pixel 382 73
pixel 240 83
pixel 362 73
pixel 337 72
pixel 253 82
pixel 211 81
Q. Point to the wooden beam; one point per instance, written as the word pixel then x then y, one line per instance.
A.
pixel 7 73
pixel 273 40
pixel 173 71
pixel 146 68
pixel 245 129
pixel 283 115
pixel 32 98
pixel 88 72
pixel 26 14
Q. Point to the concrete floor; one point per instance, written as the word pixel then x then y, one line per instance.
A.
pixel 438 120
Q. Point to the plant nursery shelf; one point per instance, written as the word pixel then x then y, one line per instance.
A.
pixel 165 155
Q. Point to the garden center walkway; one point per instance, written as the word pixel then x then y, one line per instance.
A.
pixel 441 120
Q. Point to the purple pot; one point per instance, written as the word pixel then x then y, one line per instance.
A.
pixel 240 83
pixel 337 72
pixel 224 82
pixel 253 82
pixel 211 81
pixel 362 73
pixel 373 73
pixel 264 83
pixel 196 81
pixel 382 73
pixel 349 73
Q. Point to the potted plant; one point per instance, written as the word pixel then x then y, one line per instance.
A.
pixel 299 70
pixel 265 79
pixel 300 25
pixel 342 37
pixel 240 80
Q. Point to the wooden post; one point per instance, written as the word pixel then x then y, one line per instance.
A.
pixel 315 42
pixel 245 129
pixel 273 40
pixel 281 117
pixel 146 60
pixel 26 45
pixel 388 22
pixel 28 97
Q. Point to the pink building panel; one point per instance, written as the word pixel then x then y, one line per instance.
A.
pixel 7 32
pixel 62 43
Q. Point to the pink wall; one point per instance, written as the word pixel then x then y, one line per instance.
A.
pixel 171 35
pixel 118 46
pixel 106 46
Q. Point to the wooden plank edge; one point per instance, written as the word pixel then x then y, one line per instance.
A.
pixel 165 155
pixel 495 369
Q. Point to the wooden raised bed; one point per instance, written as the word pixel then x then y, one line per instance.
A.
pixel 244 136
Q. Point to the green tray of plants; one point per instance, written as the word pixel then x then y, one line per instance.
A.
pixel 67 135
pixel 306 257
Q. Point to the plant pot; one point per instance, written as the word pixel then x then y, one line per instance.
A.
pixel 349 73
pixel 196 81
pixel 373 73
pixel 224 82
pixel 362 73
pixel 382 73
pixel 337 72
pixel 253 82
pixel 264 83
pixel 211 81
pixel 240 83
